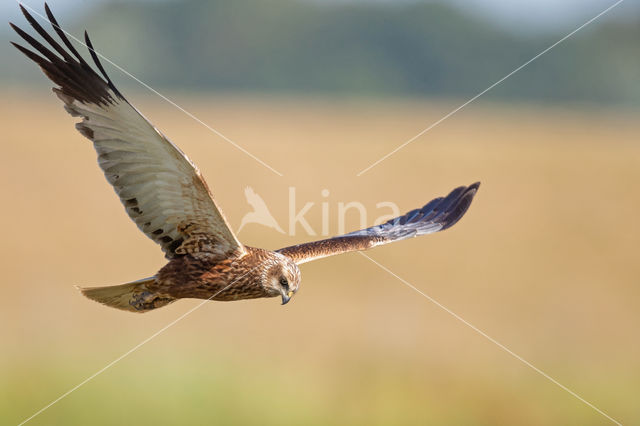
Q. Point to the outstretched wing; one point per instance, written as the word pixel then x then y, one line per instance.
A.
pixel 437 215
pixel 161 189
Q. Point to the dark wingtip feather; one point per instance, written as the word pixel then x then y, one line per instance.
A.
pixel 43 33
pixel 35 43
pixel 24 11
pixel 96 60
pixel 58 29
pixel 31 55
pixel 74 76
pixel 457 209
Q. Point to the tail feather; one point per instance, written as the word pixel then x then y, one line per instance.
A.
pixel 132 297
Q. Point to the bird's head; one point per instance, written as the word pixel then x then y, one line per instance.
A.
pixel 282 278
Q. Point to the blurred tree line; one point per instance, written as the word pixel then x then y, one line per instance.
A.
pixel 408 48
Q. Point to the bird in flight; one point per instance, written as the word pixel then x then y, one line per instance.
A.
pixel 164 193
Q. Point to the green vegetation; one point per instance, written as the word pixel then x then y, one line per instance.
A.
pixel 415 49
pixel 182 389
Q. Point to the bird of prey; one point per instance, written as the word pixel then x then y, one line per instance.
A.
pixel 260 213
pixel 164 193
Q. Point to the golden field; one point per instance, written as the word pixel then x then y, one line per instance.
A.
pixel 545 262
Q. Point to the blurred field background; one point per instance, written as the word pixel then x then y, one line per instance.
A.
pixel 545 261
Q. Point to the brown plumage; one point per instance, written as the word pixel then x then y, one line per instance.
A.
pixel 165 195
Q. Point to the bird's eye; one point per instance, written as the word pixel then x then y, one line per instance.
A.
pixel 284 283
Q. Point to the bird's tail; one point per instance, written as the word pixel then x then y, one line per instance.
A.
pixel 133 297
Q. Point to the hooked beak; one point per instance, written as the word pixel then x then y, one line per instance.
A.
pixel 286 297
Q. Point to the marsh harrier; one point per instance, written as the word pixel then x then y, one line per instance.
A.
pixel 164 193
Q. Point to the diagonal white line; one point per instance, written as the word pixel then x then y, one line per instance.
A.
pixel 487 89
pixel 363 171
pixel 156 92
pixel 130 351
pixel 491 339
